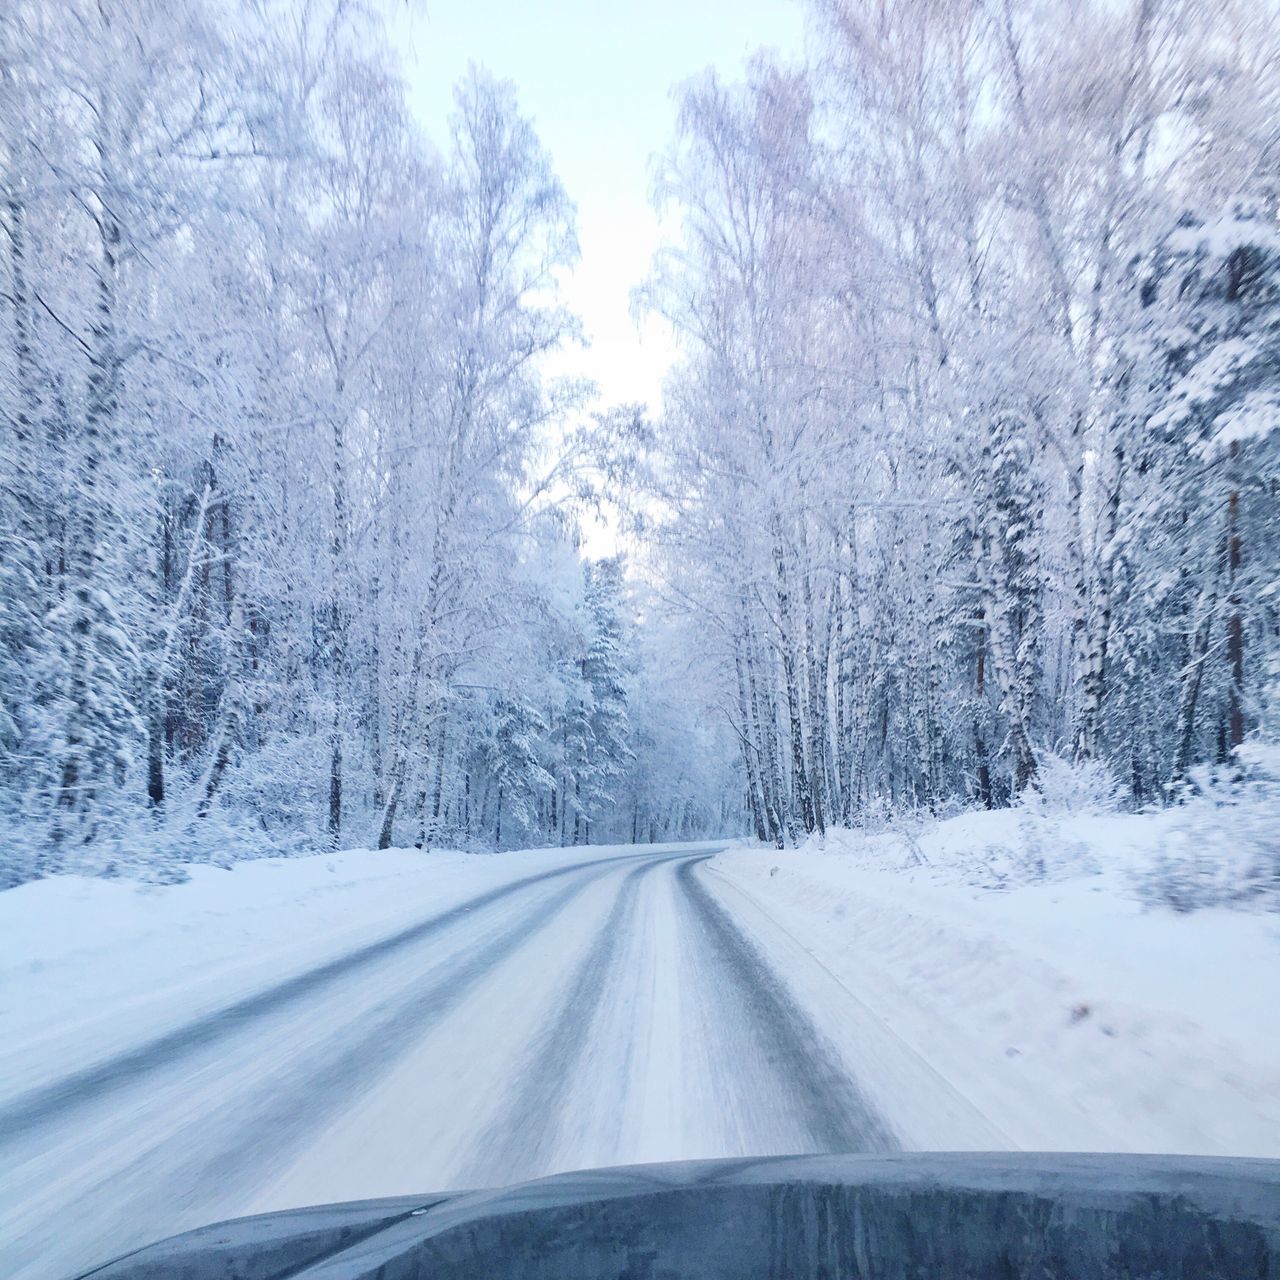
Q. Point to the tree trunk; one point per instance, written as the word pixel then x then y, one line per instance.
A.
pixel 1235 613
pixel 979 738
pixel 1002 644
pixel 389 809
pixel 1191 693
pixel 799 774
pixel 1098 632
pixel 155 746
pixel 765 725
pixel 754 796
pixel 815 680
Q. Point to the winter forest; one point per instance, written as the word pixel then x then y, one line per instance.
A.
pixel 968 464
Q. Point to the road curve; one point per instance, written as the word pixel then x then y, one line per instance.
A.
pixel 57 1099
pixel 600 1013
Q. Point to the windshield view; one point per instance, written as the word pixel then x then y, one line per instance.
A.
pixel 639 640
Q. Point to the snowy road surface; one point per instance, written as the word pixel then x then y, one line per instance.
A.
pixel 617 1009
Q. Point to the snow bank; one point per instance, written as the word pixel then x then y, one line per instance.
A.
pixel 1015 952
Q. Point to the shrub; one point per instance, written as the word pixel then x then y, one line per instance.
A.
pixel 1065 787
pixel 1222 844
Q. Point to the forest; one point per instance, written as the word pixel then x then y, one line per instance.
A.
pixel 968 466
pixel 972 463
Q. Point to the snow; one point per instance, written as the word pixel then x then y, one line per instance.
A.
pixel 1245 224
pixel 994 981
pixel 396 1074
pixel 1254 418
pixel 1204 381
pixel 1073 1015
pixel 90 966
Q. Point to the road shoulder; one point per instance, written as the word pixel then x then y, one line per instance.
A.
pixel 920 982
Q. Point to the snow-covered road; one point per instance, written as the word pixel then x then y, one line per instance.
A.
pixel 615 1009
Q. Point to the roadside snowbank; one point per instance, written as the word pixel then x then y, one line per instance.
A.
pixel 1012 950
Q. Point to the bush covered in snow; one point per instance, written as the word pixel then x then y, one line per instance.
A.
pixel 1222 845
pixel 1040 849
pixel 1064 786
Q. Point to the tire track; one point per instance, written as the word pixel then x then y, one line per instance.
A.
pixel 244 1139
pixel 522 1141
pixel 354 1068
pixel 836 1115
pixel 53 1102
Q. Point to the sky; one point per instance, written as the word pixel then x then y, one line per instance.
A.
pixel 596 76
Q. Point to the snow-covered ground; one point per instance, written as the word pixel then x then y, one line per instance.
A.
pixel 364 1024
pixel 1071 1012
pixel 252 1040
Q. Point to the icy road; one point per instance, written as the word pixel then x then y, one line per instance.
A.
pixel 620 1008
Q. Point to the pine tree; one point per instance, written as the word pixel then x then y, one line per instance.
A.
pixel 513 759
pixel 1200 538
pixel 1008 565
pixel 596 730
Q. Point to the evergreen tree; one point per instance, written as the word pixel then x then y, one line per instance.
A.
pixel 1200 541
pixel 606 742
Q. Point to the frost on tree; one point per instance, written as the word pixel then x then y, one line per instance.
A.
pixel 969 454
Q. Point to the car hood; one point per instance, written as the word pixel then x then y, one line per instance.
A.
pixel 1077 1217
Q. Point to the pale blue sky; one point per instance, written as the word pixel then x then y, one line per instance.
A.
pixel 596 75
